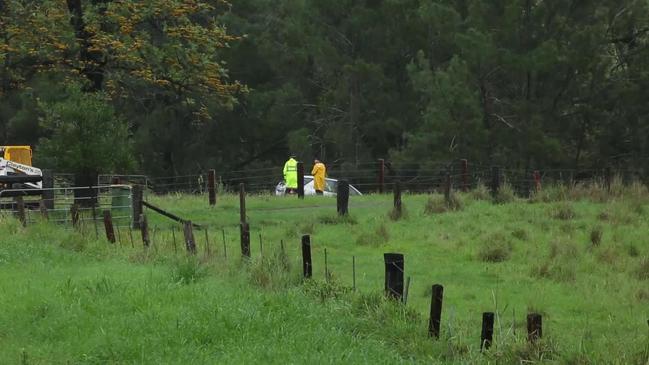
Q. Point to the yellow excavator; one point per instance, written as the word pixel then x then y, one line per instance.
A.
pixel 16 170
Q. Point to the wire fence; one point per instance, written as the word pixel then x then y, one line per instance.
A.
pixel 379 176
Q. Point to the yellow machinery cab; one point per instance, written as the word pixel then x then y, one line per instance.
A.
pixel 18 154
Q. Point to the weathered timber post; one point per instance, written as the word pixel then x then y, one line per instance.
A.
pixel 307 267
pixel 537 181
pixel 48 189
pixel 435 320
pixel 495 180
pixel 144 228
pixel 381 176
pixel 464 167
pixel 74 215
pixel 190 243
pixel 245 239
pixel 20 210
pixel 136 202
pixel 42 206
pixel 447 189
pixel 534 327
pixel 486 337
pixel 300 180
pixel 211 186
pixel 342 197
pixel 242 203
pixel 108 226
pixel 608 176
pixel 394 268
pixel 397 199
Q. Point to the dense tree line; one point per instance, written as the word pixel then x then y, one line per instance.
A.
pixel 177 86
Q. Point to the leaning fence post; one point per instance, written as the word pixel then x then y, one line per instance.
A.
pixel 307 267
pixel 108 225
pixel 495 180
pixel 381 175
pixel 487 330
pixel 464 165
pixel 20 210
pixel 342 197
pixel 394 268
pixel 534 327
pixel 211 186
pixel 190 243
pixel 300 180
pixel 435 311
pixel 136 202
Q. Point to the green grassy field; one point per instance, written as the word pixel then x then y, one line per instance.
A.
pixel 580 258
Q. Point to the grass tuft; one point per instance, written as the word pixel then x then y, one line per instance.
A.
pixel 642 272
pixel 480 193
pixel 437 204
pixel 596 234
pixel 188 270
pixel 495 248
pixel 505 194
pixel 332 219
pixel 564 211
pixel 379 236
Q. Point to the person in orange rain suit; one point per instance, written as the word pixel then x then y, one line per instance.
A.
pixel 319 173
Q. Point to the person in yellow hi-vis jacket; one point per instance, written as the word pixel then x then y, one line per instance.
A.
pixel 319 173
pixel 290 175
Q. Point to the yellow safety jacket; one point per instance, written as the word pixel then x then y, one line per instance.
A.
pixel 319 173
pixel 290 173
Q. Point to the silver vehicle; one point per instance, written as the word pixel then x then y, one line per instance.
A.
pixel 331 186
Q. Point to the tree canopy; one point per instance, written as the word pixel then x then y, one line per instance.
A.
pixel 210 84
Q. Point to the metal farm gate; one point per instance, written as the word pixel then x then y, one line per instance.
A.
pixel 70 205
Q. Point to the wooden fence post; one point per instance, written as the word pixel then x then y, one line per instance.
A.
pixel 20 210
pixel 190 242
pixel 397 199
pixel 136 202
pixel 495 180
pixel 42 206
pixel 381 176
pixel 307 267
pixel 447 189
pixel 607 178
pixel 394 268
pixel 464 166
pixel 435 311
pixel 342 197
pixel 537 181
pixel 242 203
pixel 211 186
pixel 300 180
pixel 487 330
pixel 245 239
pixel 48 189
pixel 534 327
pixel 144 228
pixel 108 225
pixel 74 214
